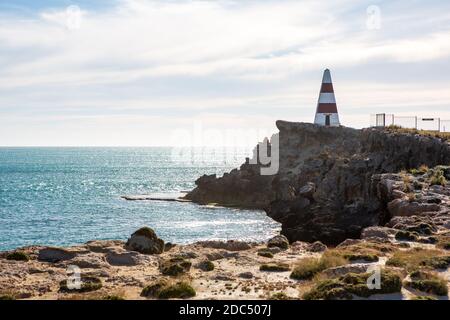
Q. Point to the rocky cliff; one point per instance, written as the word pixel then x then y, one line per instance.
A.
pixel 327 186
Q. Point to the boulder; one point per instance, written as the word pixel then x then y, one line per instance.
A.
pixel 278 242
pixel 145 241
pixel 316 247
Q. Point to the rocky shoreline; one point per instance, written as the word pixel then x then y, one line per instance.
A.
pixel 328 187
pixel 145 267
pixel 354 205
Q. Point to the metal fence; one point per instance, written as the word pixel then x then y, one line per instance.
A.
pixel 445 125
pixel 410 122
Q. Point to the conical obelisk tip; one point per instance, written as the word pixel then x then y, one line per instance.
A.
pixel 326 76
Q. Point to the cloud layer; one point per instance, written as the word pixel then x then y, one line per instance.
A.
pixel 131 73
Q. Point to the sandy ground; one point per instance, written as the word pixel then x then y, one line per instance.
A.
pixel 41 280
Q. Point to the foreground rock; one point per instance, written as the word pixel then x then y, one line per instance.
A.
pixel 145 241
pixel 278 242
pixel 186 272
pixel 223 270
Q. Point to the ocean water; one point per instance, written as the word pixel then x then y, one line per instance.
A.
pixel 67 196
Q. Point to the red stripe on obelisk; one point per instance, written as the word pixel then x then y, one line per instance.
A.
pixel 327 108
pixel 327 88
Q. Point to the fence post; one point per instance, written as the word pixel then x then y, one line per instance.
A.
pixel 416 121
pixel 439 124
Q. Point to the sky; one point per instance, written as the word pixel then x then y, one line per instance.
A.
pixel 187 72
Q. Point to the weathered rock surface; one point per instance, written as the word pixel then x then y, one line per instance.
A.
pixel 89 261
pixel 230 245
pixel 233 275
pixel 377 232
pixel 122 257
pixel 51 254
pixel 316 247
pixel 342 270
pixel 328 186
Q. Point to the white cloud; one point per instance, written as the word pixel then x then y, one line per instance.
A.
pixel 209 56
pixel 141 39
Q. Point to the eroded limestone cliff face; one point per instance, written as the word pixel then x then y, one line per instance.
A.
pixel 326 186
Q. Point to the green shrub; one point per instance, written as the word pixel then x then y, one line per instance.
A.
pixel 279 296
pixel 364 257
pixel 275 267
pixel 406 236
pixel 18 256
pixel 427 282
pixel 88 284
pixel 175 266
pixel 153 289
pixel 438 178
pixel 180 290
pixel 164 289
pixel 113 297
pixel 265 253
pixel 344 287
pixel 206 266
pixel 441 262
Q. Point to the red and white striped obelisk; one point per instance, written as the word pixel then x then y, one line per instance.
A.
pixel 326 113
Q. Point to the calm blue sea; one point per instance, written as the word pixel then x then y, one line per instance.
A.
pixel 66 196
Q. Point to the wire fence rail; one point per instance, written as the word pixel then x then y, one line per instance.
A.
pixel 410 122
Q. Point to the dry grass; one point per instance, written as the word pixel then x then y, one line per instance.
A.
pixel 423 169
pixel 275 267
pixel 407 181
pixel 417 258
pixel 366 248
pixel 308 268
pixel 444 241
pixel 438 178
pixel 411 197
pixel 427 133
